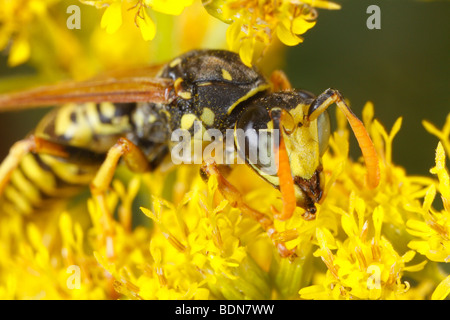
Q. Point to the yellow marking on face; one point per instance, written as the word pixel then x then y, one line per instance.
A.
pixel 226 75
pixel 248 95
pixel 302 145
pixel 175 62
pixel 207 116
pixel 187 121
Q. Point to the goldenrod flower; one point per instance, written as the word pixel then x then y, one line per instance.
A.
pixel 20 24
pixel 112 16
pixel 362 268
pixel 198 246
pixel 255 23
pixel 189 242
pixel 433 227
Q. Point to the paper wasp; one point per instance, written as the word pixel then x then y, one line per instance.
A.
pixel 132 117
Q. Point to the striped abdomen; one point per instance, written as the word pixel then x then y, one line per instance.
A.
pixel 87 131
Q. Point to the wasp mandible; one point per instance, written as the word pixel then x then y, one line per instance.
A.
pixel 131 117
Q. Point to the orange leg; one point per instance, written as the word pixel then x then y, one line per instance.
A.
pixel 279 81
pixel 230 193
pixel 136 162
pixel 321 103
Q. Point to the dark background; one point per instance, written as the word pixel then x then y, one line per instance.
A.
pixel 403 68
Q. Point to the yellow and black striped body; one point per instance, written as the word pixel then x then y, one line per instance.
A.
pixel 87 131
pixel 213 87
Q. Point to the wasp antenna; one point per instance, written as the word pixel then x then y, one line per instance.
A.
pixel 322 102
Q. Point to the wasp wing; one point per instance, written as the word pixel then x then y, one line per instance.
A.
pixel 130 86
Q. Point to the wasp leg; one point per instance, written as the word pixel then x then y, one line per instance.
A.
pixel 230 193
pixel 284 171
pixel 280 81
pixel 20 149
pixel 327 98
pixel 136 162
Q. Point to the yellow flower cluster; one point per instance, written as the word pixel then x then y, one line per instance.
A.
pixel 35 30
pixel 30 32
pixel 112 16
pixel 256 23
pixel 379 226
pixel 387 243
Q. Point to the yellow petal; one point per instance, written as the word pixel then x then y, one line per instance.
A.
pixel 325 238
pixel 246 51
pixel 300 26
pixel 65 225
pixel 349 225
pixel 421 247
pixel 286 36
pixel 408 256
pixel 313 292
pixel 396 127
pixel 20 52
pixel 377 217
pixel 429 197
pixel 416 267
pixel 233 36
pixel 147 27
pixel 173 7
pixel 112 18
pixel 442 290
pixel 418 228
pixel 323 4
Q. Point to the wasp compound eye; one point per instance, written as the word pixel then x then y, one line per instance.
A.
pixel 254 139
pixel 288 122
pixel 323 131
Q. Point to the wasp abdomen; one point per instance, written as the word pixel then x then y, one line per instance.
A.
pixel 86 132
pixel 40 179
pixel 90 126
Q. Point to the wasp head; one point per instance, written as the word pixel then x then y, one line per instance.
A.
pixel 280 120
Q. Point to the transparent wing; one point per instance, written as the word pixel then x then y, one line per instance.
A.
pixel 120 86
